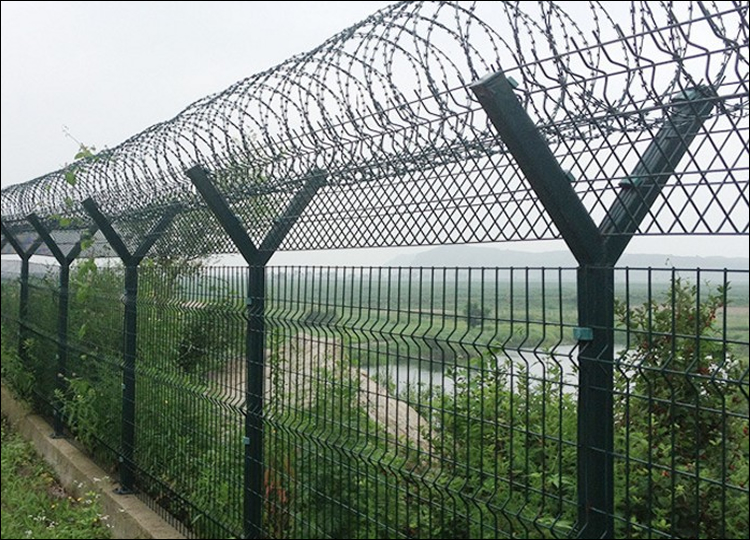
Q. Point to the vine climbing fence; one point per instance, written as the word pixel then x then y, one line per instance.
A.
pixel 351 402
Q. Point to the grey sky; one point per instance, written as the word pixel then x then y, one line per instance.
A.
pixel 107 70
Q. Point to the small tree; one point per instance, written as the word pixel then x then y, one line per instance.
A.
pixel 476 313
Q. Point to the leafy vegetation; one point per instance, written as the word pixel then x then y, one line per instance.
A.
pixel 476 313
pixel 684 427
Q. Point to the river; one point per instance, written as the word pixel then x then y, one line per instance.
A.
pixel 433 374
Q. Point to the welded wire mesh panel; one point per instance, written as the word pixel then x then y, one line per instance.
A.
pixel 9 309
pixel 420 403
pixel 627 96
pixel 40 338
pixel 411 402
pixel 681 413
pixel 13 371
pixel 92 403
pixel 190 407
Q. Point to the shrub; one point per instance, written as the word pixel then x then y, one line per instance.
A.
pixel 682 424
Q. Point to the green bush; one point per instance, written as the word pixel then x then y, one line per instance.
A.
pixel 325 479
pixel 203 338
pixel 15 374
pixel 507 446
pixel 682 422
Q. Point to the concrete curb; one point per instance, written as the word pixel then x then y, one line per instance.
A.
pixel 129 516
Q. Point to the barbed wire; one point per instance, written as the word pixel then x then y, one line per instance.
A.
pixel 384 109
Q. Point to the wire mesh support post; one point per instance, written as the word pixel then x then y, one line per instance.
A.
pixel 597 250
pixel 254 384
pixel 255 362
pixel 539 165
pixel 596 308
pixel 641 189
pixel 130 325
pixel 25 254
pixel 64 260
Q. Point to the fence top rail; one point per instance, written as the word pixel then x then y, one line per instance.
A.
pixel 385 110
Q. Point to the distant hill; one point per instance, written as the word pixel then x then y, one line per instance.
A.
pixel 476 256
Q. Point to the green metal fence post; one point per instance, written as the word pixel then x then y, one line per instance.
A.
pixel 64 260
pixel 255 361
pixel 130 325
pixel 595 337
pixel 127 471
pixel 25 254
pixel 23 309
pixel 62 340
pixel 595 299
pixel 255 379
pixel 597 250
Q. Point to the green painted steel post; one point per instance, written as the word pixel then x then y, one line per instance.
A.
pixel 127 468
pixel 596 305
pixel 254 351
pixel 62 309
pixel 23 300
pixel 596 249
pixel 595 298
pixel 131 261
pixel 255 377
pixel 62 340
pixel 23 309
pixel 256 258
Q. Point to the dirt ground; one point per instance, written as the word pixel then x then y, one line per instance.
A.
pixel 306 364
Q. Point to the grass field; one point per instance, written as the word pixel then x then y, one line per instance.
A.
pixel 432 313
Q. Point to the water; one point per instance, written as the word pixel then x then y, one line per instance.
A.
pixel 424 374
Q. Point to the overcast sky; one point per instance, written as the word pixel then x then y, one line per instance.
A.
pixel 107 70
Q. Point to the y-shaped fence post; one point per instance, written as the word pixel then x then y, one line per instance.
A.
pixel 597 250
pixel 131 262
pixel 25 253
pixel 64 260
pixel 256 259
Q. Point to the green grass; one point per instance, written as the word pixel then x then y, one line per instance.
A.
pixel 34 505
